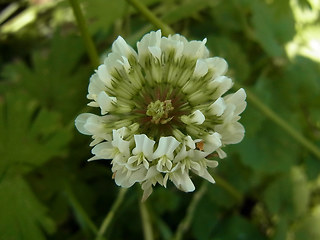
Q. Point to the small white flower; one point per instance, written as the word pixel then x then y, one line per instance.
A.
pixel 163 110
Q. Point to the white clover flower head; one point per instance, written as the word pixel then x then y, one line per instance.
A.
pixel 163 113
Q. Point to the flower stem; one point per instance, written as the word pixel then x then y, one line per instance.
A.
pixel 106 222
pixel 81 215
pixel 92 52
pixel 282 123
pixel 228 187
pixel 166 30
pixel 185 223
pixel 146 223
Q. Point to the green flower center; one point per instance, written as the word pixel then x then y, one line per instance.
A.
pixel 159 111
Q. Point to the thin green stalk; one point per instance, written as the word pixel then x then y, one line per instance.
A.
pixel 185 223
pixel 92 52
pixel 146 222
pixel 166 30
pixel 228 187
pixel 8 11
pixel 106 222
pixel 282 123
pixel 81 215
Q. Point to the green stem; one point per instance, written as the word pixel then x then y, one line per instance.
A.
pixel 166 30
pixel 8 11
pixel 185 223
pixel 81 215
pixel 228 187
pixel 282 123
pixel 106 222
pixel 92 52
pixel 146 223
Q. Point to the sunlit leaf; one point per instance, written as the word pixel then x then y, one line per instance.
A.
pixel 273 25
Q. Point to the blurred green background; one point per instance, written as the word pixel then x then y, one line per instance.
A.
pixel 49 191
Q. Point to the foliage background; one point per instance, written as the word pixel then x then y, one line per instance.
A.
pixel 49 191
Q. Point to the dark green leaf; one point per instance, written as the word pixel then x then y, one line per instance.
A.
pixel 29 136
pixel 22 215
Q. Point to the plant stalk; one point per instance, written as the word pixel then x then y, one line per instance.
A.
pixel 166 30
pixel 92 52
pixel 282 123
pixel 186 221
pixel 106 222
pixel 146 222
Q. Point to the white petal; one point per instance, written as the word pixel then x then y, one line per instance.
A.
pixel 120 46
pixel 196 49
pixel 152 172
pixel 121 144
pixel 81 120
pixel 122 178
pixel 206 175
pixel 104 75
pixel 238 99
pixel 168 45
pixel 181 155
pixel 212 142
pixel 96 125
pixel 217 108
pixel 218 65
pixel 166 147
pixel 198 117
pixel 201 68
pixel 106 102
pixel 138 175
pixel 114 62
pixel 164 165
pixel 103 150
pixel 144 145
pixel 149 40
pixel 189 142
pixel 221 153
pixel 155 51
pixel 231 133
pixel 95 87
pixel 147 190
pixel 198 155
pixel 212 163
pixel 221 85
pixel 182 181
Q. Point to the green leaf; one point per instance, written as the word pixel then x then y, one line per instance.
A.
pixel 29 136
pixel 56 79
pixel 281 229
pixel 301 191
pixel 22 215
pixel 309 227
pixel 272 153
pixel 233 53
pixel 236 227
pixel 206 213
pixel 184 9
pixel 226 14
pixel 102 14
pixel 273 25
pixel 288 196
pixel 312 165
